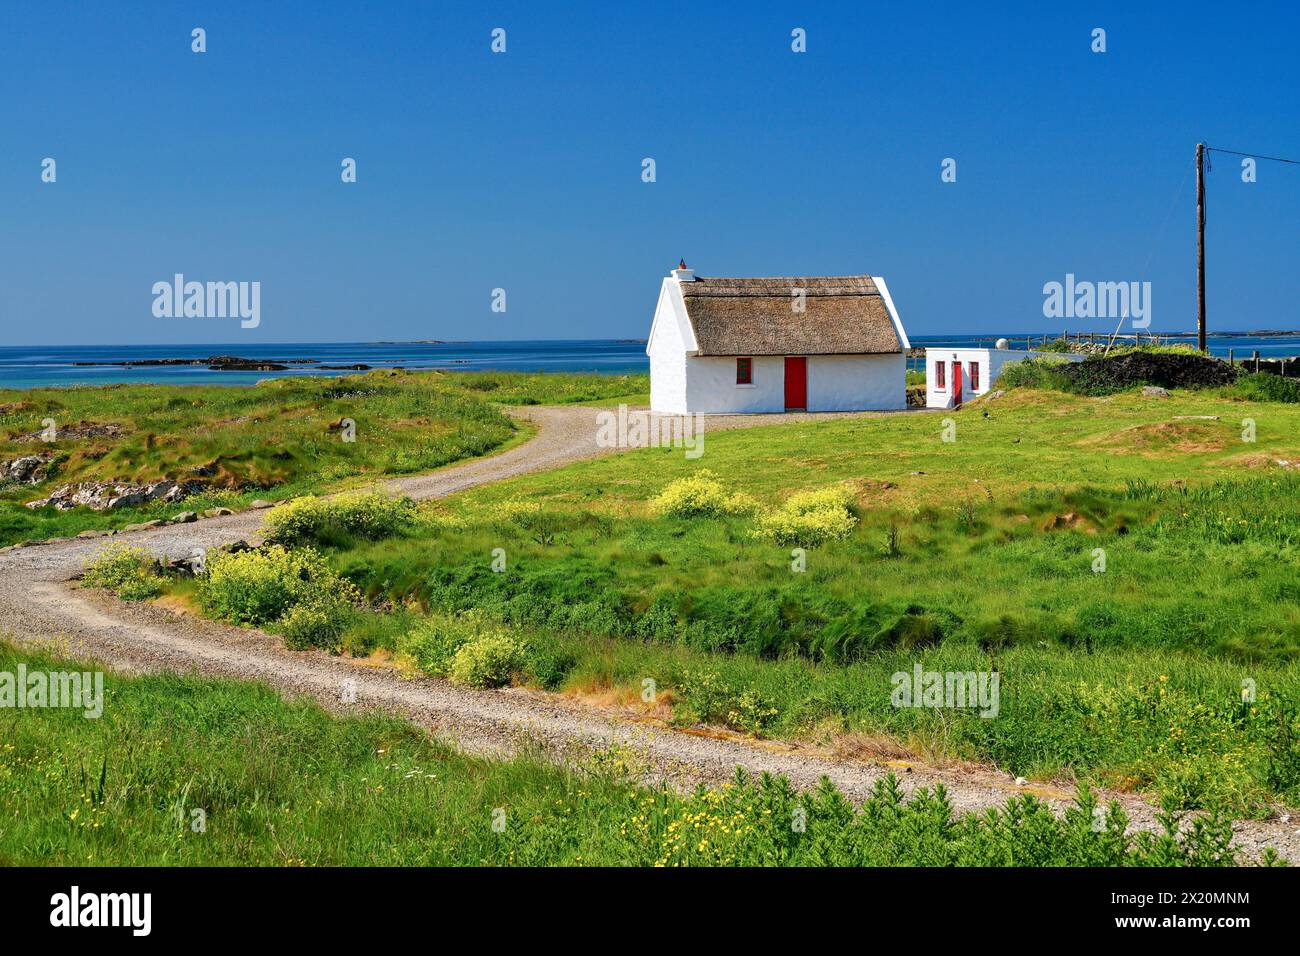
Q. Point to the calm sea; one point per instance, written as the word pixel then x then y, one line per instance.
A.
pixel 29 367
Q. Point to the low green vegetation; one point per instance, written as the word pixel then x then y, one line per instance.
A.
pixel 185 771
pixel 280 438
pixel 1126 564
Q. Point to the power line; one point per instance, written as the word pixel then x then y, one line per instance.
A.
pixel 1233 152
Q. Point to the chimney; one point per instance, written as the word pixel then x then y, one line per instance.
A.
pixel 683 274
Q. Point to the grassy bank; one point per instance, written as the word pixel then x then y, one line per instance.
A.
pixel 188 771
pixel 280 438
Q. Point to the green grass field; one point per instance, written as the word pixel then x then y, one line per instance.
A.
pixel 186 771
pixel 976 554
pixel 270 441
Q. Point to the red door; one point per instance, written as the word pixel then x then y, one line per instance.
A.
pixel 956 384
pixel 796 384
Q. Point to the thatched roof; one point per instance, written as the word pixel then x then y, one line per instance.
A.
pixel 843 315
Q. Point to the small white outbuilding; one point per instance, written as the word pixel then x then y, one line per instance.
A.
pixel 818 344
pixel 956 375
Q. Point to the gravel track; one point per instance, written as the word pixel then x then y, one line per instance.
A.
pixel 40 606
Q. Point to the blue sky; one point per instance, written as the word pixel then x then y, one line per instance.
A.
pixel 523 170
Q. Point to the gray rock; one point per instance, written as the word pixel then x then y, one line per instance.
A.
pixel 1154 391
pixel 259 503
pixel 217 512
pixel 110 495
pixel 145 525
pixel 185 517
pixel 92 533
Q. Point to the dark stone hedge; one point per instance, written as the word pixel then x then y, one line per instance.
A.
pixel 1100 375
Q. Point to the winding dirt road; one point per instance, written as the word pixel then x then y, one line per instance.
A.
pixel 39 606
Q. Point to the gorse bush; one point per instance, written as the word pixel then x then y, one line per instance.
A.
pixel 355 514
pixel 291 589
pixel 131 573
pixel 701 495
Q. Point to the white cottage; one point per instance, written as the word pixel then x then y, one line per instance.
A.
pixel 956 375
pixel 818 344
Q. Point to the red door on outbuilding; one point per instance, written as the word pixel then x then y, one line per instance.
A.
pixel 956 384
pixel 796 384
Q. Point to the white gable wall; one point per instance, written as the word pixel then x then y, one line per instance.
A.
pixel 670 339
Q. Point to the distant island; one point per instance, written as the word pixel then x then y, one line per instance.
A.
pixel 230 363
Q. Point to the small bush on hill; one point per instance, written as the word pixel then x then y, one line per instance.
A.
pixel 319 622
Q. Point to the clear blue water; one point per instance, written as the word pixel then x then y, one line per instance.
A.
pixel 29 367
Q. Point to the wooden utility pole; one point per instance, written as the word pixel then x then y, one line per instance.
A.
pixel 1200 246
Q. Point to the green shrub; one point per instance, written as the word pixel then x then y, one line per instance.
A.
pixel 547 661
pixel 1265 387
pixel 434 640
pixel 810 518
pixel 131 573
pixel 701 495
pixel 317 623
pixel 1034 373
pixel 260 587
pixel 358 514
pixel 487 660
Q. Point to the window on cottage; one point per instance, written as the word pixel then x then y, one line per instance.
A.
pixel 744 371
pixel 974 375
pixel 940 375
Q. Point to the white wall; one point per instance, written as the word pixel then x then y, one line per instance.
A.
pixel 711 385
pixel 851 383
pixel 836 383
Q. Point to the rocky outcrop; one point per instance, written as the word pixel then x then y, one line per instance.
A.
pixel 107 495
pixel 27 470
